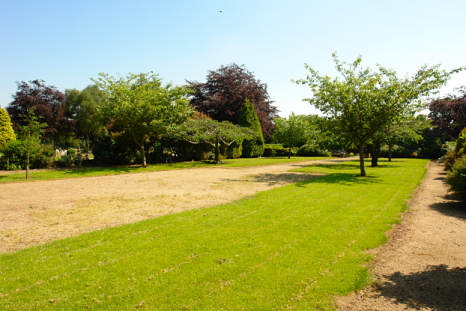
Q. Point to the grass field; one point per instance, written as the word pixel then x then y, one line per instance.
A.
pixel 114 170
pixel 291 247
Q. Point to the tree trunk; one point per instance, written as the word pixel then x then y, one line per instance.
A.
pixel 361 161
pixel 390 152
pixel 27 164
pixel 217 152
pixel 143 153
pixel 289 153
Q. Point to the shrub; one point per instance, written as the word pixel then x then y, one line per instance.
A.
pixel 457 176
pixel 397 152
pixel 277 150
pixel 311 150
pixel 70 159
pixel 6 130
pixel 14 156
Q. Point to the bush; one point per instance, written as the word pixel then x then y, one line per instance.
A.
pixel 457 176
pixel 277 150
pixel 233 151
pixel 14 156
pixel 397 152
pixel 311 151
pixel 71 159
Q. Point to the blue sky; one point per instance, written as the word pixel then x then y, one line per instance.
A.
pixel 66 43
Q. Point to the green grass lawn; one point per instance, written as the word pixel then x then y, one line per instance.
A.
pixel 291 247
pixel 114 170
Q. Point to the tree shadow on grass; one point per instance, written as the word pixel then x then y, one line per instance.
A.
pixel 346 179
pixel 438 288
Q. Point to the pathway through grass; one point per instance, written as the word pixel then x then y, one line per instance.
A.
pixel 291 247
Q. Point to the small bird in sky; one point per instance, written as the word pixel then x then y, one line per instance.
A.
pixel 220 11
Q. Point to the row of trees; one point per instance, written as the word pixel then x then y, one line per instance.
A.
pixel 138 118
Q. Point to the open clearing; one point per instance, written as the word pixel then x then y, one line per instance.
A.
pixel 423 267
pixel 292 247
pixel 32 213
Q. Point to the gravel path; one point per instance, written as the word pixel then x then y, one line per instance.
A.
pixel 33 213
pixel 423 267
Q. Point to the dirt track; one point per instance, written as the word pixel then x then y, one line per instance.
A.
pixel 37 212
pixel 423 267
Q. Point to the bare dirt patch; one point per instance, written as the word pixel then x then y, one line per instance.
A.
pixel 423 267
pixel 33 213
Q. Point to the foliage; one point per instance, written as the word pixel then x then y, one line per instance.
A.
pixel 6 130
pixel 81 106
pixel 448 115
pixel 223 94
pixel 311 150
pixel 14 156
pixel 291 132
pixel 141 107
pixel 364 102
pixel 48 105
pixel 456 178
pixel 211 132
pixel 277 150
pixel 254 146
pixel 256 253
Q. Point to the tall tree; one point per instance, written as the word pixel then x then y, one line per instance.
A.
pixel 6 130
pixel 364 101
pixel 81 106
pixel 48 105
pixel 291 132
pixel 140 106
pixel 30 133
pixel 223 95
pixel 253 146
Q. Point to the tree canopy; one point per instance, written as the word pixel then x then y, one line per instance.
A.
pixel 448 115
pixel 363 101
pixel 211 132
pixel 140 106
pixel 225 91
pixel 48 105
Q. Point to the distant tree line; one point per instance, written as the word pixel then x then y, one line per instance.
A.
pixel 139 119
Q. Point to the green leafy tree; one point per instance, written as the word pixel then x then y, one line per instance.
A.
pixel 6 130
pixel 140 106
pixel 254 146
pixel 291 132
pixel 363 102
pixel 81 106
pixel 211 132
pixel 30 134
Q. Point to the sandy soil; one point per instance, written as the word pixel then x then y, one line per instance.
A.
pixel 33 213
pixel 423 267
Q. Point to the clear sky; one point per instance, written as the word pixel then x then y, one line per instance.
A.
pixel 66 43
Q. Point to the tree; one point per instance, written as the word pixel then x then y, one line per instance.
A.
pixel 81 106
pixel 291 132
pixel 30 134
pixel 140 106
pixel 47 103
pixel 448 115
pixel 223 95
pixel 363 102
pixel 254 146
pixel 211 132
pixel 6 130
